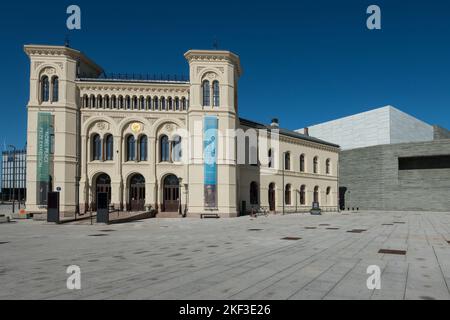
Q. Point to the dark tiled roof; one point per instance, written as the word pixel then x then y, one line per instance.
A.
pixel 285 132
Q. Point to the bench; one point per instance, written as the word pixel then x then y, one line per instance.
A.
pixel 5 217
pixel 209 215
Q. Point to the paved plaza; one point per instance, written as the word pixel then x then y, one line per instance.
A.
pixel 295 256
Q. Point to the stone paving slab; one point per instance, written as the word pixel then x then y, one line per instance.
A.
pixel 238 258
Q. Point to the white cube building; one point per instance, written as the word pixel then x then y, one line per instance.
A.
pixel 386 125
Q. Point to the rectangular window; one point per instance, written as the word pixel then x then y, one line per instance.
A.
pixel 424 162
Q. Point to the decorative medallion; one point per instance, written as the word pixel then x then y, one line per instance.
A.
pixel 102 125
pixel 49 70
pixel 169 127
pixel 211 75
pixel 136 127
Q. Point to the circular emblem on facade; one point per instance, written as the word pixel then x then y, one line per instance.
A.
pixel 136 127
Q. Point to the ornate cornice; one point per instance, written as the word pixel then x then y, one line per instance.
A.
pixel 214 56
pixel 47 51
pixel 306 143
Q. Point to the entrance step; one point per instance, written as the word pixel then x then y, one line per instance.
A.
pixel 168 215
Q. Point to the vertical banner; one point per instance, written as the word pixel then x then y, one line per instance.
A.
pixel 43 156
pixel 210 126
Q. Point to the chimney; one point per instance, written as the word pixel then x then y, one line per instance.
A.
pixel 306 131
pixel 274 122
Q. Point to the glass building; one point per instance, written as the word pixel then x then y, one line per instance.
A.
pixel 13 175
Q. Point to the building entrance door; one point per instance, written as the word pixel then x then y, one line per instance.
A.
pixel 171 194
pixel 272 197
pixel 102 184
pixel 137 193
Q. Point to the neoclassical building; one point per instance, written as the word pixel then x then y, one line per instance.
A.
pixel 174 145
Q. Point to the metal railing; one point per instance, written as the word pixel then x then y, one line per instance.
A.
pixel 139 77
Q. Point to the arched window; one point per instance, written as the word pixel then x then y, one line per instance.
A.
pixel 163 103
pixel 142 103
pixel 148 104
pixel 177 103
pixel 99 102
pixel 328 166
pixel 135 102
pixel 176 149
pixel 92 102
pixel 316 165
pixel 287 161
pixel 216 93
pixel 155 103
pixel 128 102
pixel 114 102
pixel 120 102
pixel 143 148
pixel 303 194
pixel 287 194
pixel 254 192
pixel 251 151
pixel 164 148
pixel 302 163
pixel 85 101
pixel 183 103
pixel 107 105
pixel 55 89
pixel 109 147
pixel 170 103
pixel 270 156
pixel 316 194
pixel 253 159
pixel 45 89
pixel 328 194
pixel 206 93
pixel 131 148
pixel 96 148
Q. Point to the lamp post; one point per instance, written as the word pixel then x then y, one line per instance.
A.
pixel 180 180
pixel 283 160
pixel 186 202
pixel 91 189
pixel 14 176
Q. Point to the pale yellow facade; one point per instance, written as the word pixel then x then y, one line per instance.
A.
pixel 89 110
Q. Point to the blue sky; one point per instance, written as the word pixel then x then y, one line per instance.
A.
pixel 304 62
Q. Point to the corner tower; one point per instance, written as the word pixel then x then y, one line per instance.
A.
pixel 53 125
pixel 213 105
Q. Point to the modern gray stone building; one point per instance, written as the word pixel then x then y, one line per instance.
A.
pixel 390 161
pixel 405 176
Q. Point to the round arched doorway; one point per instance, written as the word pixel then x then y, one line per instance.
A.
pixel 171 194
pixel 102 184
pixel 272 197
pixel 137 193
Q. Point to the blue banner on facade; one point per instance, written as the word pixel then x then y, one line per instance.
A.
pixel 210 126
